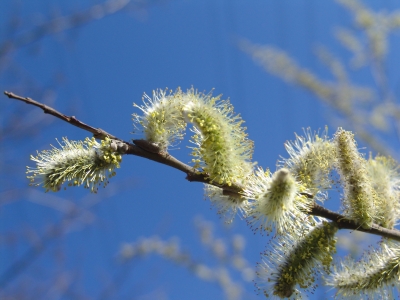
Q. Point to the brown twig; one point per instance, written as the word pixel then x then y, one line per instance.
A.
pixel 195 176
pixel 97 132
pixel 160 157
pixel 344 223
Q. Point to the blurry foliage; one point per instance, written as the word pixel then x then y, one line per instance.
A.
pixel 371 110
pixel 225 258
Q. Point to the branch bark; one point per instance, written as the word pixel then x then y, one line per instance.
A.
pixel 344 223
pixel 194 175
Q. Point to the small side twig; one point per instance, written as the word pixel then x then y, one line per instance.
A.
pixel 97 132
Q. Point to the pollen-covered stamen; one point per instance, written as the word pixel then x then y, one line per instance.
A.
pixel 162 122
pixel 296 262
pixel 360 199
pixel 227 205
pixel 87 163
pixel 371 277
pixel 385 179
pixel 277 202
pixel 222 149
pixel 312 158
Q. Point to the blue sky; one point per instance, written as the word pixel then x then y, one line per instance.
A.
pixel 96 72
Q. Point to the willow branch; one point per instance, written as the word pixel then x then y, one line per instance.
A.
pixel 140 148
pixel 344 223
pixel 161 157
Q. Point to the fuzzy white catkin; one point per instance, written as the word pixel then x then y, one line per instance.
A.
pixel 374 276
pixel 162 120
pixel 360 198
pixel 294 263
pixel 87 163
pixel 276 202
